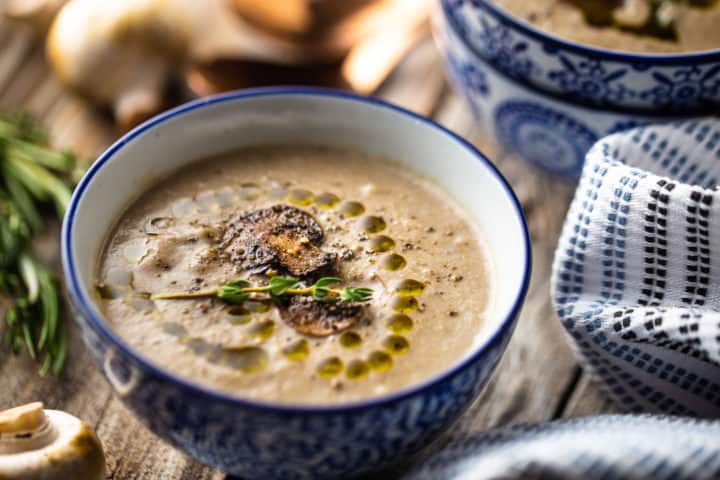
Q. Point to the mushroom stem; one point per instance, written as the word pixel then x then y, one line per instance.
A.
pixel 38 444
pixel 25 428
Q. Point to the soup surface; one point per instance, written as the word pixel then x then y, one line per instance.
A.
pixel 649 26
pixel 304 212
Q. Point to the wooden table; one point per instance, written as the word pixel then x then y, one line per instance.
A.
pixel 537 380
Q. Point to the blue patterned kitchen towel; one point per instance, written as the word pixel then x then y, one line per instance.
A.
pixel 636 279
pixel 611 447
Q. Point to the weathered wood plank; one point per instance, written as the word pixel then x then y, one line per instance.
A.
pixel 588 399
pixel 135 453
pixel 13 51
pixel 418 82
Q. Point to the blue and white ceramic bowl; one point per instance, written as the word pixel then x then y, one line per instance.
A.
pixel 256 439
pixel 591 75
pixel 548 130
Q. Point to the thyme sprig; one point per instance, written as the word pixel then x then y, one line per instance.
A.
pixel 32 176
pixel 277 289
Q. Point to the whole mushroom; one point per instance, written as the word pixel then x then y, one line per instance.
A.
pixel 121 54
pixel 38 444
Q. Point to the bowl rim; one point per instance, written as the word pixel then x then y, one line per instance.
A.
pixel 648 114
pixel 83 303
pixel 687 58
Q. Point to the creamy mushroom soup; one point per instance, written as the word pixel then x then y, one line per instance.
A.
pixel 345 276
pixel 650 26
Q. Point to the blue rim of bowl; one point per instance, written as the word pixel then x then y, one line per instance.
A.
pixel 84 304
pixel 597 52
pixel 646 112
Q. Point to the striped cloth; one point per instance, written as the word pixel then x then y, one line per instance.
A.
pixel 610 447
pixel 636 279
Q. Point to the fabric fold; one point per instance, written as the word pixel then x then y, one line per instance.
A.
pixel 636 277
pixel 607 447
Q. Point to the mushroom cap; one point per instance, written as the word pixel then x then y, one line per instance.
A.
pixel 37 444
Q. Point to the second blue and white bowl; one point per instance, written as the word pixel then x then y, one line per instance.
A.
pixel 548 126
pixel 672 82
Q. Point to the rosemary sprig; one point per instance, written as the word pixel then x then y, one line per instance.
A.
pixel 277 288
pixel 32 175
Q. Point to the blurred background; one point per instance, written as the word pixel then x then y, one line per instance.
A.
pixel 90 69
pixel 137 57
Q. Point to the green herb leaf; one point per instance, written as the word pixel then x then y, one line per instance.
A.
pixel 321 289
pixel 357 294
pixel 327 281
pixel 32 177
pixel 233 292
pixel 278 286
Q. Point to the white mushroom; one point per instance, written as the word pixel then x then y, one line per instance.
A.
pixel 633 13
pixel 37 444
pixel 121 53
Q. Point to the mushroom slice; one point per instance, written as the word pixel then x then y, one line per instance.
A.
pixel 281 238
pixel 38 444
pixel 319 319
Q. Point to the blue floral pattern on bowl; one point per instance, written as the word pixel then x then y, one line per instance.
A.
pixel 592 75
pixel 549 131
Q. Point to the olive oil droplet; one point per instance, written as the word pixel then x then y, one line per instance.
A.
pixel 393 262
pixel 249 191
pixel 330 367
pixel 356 369
pixel 119 276
pixel 404 304
pixel 156 225
pixel 174 329
pixel 246 359
pixel 381 243
pixel 134 252
pixel 301 197
pixel 140 302
pixel 380 361
pixel 262 330
pixel 297 351
pixel 207 201
pixel 352 209
pixel 196 345
pixel 409 288
pixel 225 198
pixel 399 323
pixel 372 224
pixel 238 315
pixel 183 207
pixel 108 292
pixel 278 193
pixel 350 340
pixel 396 344
pixel 326 200
pixel 257 306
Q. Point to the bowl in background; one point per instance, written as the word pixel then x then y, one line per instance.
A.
pixel 674 82
pixel 253 438
pixel 550 128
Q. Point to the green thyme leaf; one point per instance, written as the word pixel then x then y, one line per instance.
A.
pixel 278 286
pixel 321 289
pixel 327 281
pixel 357 294
pixel 234 292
